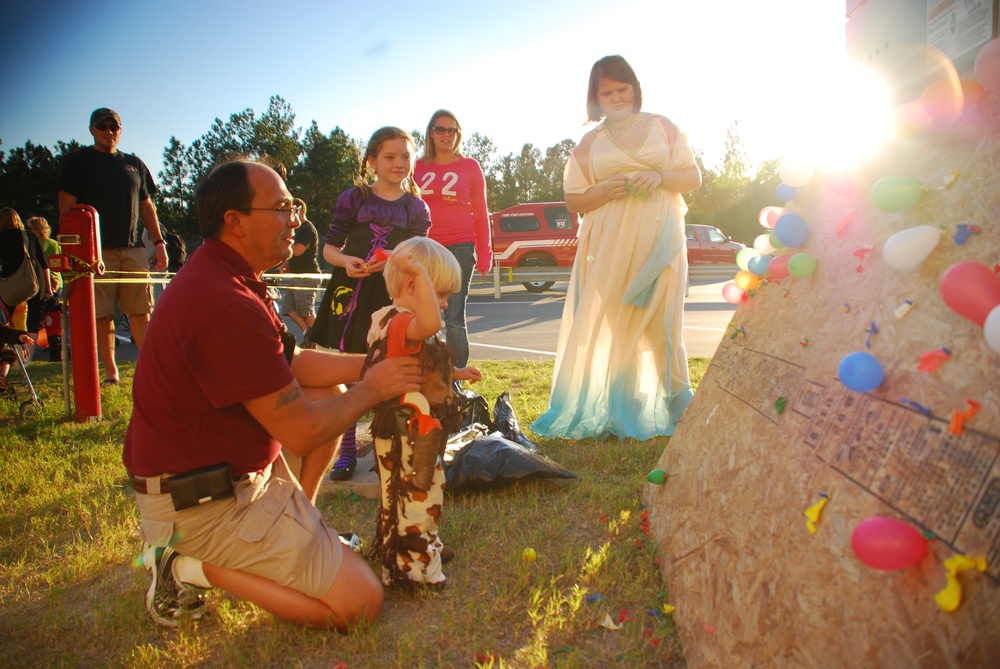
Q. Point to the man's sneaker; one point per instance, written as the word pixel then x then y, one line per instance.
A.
pixel 167 600
pixel 351 540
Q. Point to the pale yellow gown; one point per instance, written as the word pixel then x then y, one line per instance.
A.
pixel 621 367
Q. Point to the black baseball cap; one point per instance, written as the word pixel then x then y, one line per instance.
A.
pixel 103 114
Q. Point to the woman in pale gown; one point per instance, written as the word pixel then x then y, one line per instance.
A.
pixel 621 367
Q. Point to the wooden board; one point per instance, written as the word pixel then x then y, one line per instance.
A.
pixel 752 587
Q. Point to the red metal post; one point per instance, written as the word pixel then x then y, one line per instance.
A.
pixel 79 237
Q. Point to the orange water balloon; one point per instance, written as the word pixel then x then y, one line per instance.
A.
pixel 747 280
pixel 944 98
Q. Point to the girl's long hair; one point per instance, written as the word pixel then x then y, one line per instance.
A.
pixel 378 138
pixel 9 219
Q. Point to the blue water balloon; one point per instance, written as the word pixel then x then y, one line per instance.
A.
pixel 791 230
pixel 860 371
pixel 784 192
pixel 758 265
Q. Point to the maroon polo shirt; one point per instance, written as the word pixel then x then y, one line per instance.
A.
pixel 213 342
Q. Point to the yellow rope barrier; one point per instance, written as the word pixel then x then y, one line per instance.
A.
pixel 153 277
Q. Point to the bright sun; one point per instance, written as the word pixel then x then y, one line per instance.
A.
pixel 848 120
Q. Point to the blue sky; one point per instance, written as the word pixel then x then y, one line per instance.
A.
pixel 515 71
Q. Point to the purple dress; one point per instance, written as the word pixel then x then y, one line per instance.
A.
pixel 362 225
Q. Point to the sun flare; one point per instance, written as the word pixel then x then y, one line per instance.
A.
pixel 850 118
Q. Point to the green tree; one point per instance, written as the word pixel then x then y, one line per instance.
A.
pixel 506 192
pixel 174 205
pixel 272 135
pixel 702 203
pixel 482 149
pixel 275 134
pixel 550 172
pixel 329 166
pixel 768 172
pixel 725 197
pixel 28 182
pixel 418 144
pixel 528 173
pixel 735 164
pixel 739 217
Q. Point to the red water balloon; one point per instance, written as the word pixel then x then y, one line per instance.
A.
pixel 886 543
pixel 971 289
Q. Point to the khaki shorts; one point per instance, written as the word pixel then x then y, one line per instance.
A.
pixel 269 528
pixel 133 298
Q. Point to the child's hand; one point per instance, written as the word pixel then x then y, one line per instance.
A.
pixel 377 259
pixel 25 339
pixel 407 265
pixel 356 267
pixel 467 374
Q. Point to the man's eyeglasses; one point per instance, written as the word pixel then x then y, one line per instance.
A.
pixel 295 211
pixel 113 127
pixel 442 130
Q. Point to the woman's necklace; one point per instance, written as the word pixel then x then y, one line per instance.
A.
pixel 624 126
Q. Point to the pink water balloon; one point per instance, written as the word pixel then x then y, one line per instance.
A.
pixel 778 267
pixel 733 294
pixel 987 67
pixel 841 183
pixel 768 216
pixel 910 119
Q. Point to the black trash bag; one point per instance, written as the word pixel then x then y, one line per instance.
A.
pixel 474 407
pixel 493 461
pixel 505 422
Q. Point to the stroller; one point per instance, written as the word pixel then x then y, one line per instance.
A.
pixel 11 354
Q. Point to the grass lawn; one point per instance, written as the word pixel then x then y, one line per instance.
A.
pixel 70 595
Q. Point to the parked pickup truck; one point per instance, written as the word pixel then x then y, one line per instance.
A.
pixel 707 244
pixel 537 234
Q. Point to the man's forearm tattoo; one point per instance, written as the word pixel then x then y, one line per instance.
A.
pixel 289 396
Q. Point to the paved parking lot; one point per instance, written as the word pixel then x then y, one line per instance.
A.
pixel 525 326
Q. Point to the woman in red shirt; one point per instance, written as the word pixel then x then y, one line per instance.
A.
pixel 454 188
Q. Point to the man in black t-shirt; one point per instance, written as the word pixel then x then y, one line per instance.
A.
pixel 120 187
pixel 299 303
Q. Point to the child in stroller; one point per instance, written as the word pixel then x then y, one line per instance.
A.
pixel 9 338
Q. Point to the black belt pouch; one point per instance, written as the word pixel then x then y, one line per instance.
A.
pixel 200 486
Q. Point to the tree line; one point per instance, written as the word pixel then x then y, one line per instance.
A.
pixel 320 166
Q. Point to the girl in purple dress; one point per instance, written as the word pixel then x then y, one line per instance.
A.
pixel 375 214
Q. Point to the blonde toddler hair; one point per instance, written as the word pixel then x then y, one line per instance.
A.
pixel 440 263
